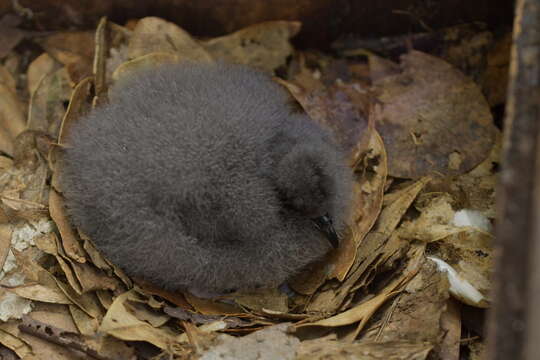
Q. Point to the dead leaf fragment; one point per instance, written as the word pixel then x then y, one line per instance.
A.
pixel 125 70
pixel 42 66
pixel 152 34
pixel 331 349
pixel 122 324
pixel 432 119
pixel 70 241
pixel 74 49
pixel 38 292
pixel 264 46
pixel 271 299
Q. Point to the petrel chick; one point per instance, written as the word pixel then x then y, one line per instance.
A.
pixel 201 177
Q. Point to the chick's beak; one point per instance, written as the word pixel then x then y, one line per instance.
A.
pixel 324 224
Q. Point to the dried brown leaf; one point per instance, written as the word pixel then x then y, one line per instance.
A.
pixel 79 105
pixel 74 49
pixel 265 46
pixel 152 34
pixel 328 349
pixel 271 299
pixel 470 253
pixel 361 312
pixel 128 68
pixel 86 302
pixel 42 66
pixel 5 241
pixel 341 108
pixel 376 248
pixel 433 119
pixel 495 79
pixel 40 349
pixel 70 241
pixel 449 348
pixel 12 118
pixel 38 292
pixel 212 307
pixel 416 314
pixel 46 107
pixel 7 79
pixel 85 324
pixel 105 298
pixel 122 324
pixel 369 192
pixel 146 314
pixel 10 35
pixel 55 315
pixel 94 254
pixel 20 347
pixel 100 62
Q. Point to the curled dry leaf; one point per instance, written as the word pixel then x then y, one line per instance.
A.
pixel 232 322
pixel 86 302
pixel 371 180
pixel 264 46
pixel 152 34
pixel 358 313
pixel 70 241
pixel 141 308
pixel 94 254
pixel 122 324
pixel 100 62
pixel 145 61
pixel 79 105
pixel 148 289
pixel 433 119
pixel 105 298
pixel 86 324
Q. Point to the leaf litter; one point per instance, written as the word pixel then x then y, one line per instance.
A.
pixel 419 201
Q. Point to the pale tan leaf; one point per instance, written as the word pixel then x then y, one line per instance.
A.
pixel 265 46
pixel 122 324
pixel 38 292
pixel 70 241
pixel 152 34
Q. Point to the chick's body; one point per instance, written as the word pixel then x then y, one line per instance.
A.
pixel 199 177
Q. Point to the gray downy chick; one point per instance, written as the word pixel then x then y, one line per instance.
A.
pixel 202 178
